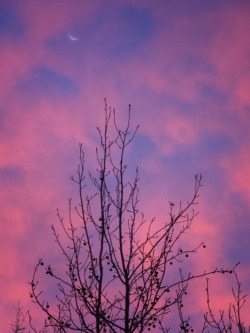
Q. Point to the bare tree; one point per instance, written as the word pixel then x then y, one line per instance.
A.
pixel 230 322
pixel 18 324
pixel 122 273
pixel 23 322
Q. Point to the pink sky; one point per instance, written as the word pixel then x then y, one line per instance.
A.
pixel 185 68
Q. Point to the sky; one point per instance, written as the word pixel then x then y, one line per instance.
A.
pixel 184 66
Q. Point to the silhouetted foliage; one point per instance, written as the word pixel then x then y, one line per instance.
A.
pixel 123 273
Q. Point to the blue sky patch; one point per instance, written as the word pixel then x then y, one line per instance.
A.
pixel 142 147
pixel 11 174
pixel 10 23
pixel 46 81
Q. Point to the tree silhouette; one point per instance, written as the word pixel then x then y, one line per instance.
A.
pixel 18 324
pixel 230 322
pixel 122 272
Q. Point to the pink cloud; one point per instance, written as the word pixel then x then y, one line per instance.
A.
pixel 237 168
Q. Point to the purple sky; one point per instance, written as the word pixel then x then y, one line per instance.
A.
pixel 184 66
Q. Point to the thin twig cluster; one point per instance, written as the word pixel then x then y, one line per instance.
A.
pixel 117 274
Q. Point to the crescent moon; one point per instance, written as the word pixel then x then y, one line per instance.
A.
pixel 72 38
